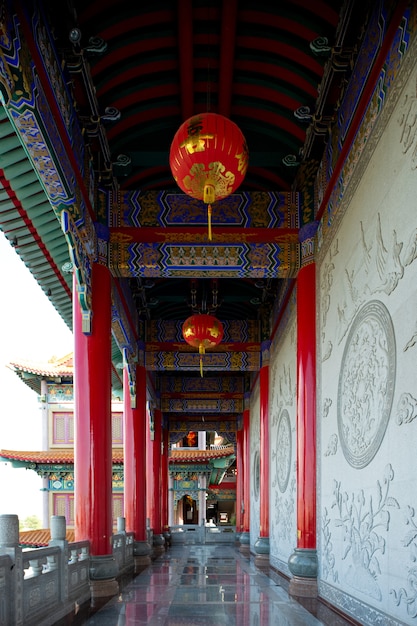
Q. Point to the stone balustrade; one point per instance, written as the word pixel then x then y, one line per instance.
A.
pixel 39 586
pixel 199 534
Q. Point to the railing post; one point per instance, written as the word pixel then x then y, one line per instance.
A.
pixel 9 544
pixel 58 527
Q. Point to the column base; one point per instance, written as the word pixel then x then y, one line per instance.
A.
pixel 140 563
pixel 303 587
pixel 244 547
pixel 141 555
pixel 158 547
pixel 303 566
pixel 103 567
pixel 104 588
pixel 262 561
pixel 262 552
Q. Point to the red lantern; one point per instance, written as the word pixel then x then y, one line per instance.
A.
pixel 209 158
pixel 202 332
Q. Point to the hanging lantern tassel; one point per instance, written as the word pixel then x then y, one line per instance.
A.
pixel 209 221
pixel 209 197
pixel 201 351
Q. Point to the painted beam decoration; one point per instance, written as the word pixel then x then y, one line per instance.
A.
pixel 258 235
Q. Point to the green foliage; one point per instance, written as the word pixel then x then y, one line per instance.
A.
pixel 32 522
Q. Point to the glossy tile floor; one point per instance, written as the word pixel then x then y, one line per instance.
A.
pixel 207 585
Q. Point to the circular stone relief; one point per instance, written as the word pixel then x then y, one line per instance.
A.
pixel 366 384
pixel 284 445
pixel 256 474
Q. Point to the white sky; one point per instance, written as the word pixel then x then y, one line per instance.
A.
pixel 30 328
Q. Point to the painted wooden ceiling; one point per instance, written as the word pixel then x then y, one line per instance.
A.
pixel 136 71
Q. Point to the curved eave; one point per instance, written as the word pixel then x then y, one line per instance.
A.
pixel 30 224
pixel 33 229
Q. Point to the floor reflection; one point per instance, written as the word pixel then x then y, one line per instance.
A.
pixel 209 585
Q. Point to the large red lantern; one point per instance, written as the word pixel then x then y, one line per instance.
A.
pixel 202 331
pixel 209 158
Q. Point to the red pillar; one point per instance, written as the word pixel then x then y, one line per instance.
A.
pixel 246 488
pixel 245 536
pixel 150 479
pixel 303 562
pixel 156 469
pixel 164 479
pixel 135 483
pixel 134 442
pixel 264 450
pixel 306 408
pixel 262 544
pixel 92 417
pixel 239 480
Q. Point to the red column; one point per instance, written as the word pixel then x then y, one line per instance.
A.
pixel 134 442
pixel 262 544
pixel 92 417
pixel 246 452
pixel 239 480
pixel 306 408
pixel 150 479
pixel 303 562
pixel 245 536
pixel 264 450
pixel 156 469
pixel 164 479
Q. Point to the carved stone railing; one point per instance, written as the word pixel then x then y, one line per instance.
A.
pixel 40 586
pixel 187 533
pixel 192 533
pixel 220 534
pixel 122 545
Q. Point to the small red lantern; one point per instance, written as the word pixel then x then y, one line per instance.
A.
pixel 202 331
pixel 209 158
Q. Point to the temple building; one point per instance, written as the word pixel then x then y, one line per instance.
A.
pixel 201 465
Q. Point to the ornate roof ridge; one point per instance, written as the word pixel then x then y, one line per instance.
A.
pixel 52 367
pixel 41 537
pixel 179 455
pixel 56 455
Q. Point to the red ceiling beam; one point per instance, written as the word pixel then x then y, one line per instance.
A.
pixel 185 41
pixel 227 55
pixel 229 234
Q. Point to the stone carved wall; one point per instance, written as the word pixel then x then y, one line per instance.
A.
pixel 367 297
pixel 282 437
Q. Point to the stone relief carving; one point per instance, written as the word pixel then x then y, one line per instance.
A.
pixel 365 524
pixel 282 454
pixel 366 527
pixel 256 474
pixel 286 390
pixel 408 121
pixel 386 260
pixel 379 260
pixel 406 409
pixel 328 561
pixel 409 596
pixel 366 384
pixel 332 445
pixel 327 350
pixel 284 513
pixel 326 283
pixel 326 406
